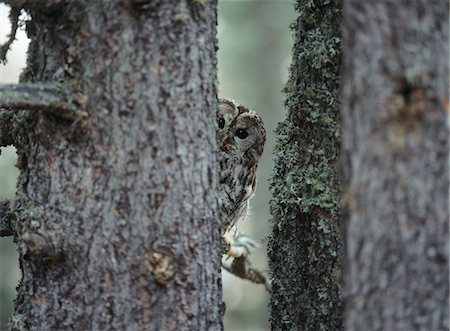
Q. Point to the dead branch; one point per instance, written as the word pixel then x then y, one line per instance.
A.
pixel 50 99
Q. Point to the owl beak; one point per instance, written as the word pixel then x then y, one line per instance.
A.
pixel 225 142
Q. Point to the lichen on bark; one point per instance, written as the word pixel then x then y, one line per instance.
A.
pixel 305 246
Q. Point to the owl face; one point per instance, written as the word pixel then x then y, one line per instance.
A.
pixel 240 131
pixel 240 138
pixel 227 112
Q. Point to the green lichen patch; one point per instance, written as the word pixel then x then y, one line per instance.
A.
pixel 304 249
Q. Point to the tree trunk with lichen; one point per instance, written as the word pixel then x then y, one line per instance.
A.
pixel 305 246
pixel 396 169
pixel 115 216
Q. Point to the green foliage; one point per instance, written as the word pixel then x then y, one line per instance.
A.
pixel 305 247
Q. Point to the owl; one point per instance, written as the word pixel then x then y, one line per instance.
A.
pixel 240 138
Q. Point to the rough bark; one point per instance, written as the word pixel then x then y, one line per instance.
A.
pixel 305 247
pixel 396 153
pixel 115 215
pixel 6 218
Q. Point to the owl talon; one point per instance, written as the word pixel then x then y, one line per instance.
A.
pixel 242 246
pixel 246 241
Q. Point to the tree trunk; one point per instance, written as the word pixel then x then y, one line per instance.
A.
pixel 396 153
pixel 305 247
pixel 116 216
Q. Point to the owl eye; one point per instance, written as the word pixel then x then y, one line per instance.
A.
pixel 221 122
pixel 241 133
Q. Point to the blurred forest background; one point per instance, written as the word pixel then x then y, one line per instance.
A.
pixel 254 56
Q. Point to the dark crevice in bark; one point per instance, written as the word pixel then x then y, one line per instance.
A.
pixel 6 219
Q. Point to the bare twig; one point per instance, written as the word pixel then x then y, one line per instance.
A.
pixel 50 99
pixel 6 218
pixel 242 268
pixel 14 18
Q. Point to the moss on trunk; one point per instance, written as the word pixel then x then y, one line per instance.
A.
pixel 305 248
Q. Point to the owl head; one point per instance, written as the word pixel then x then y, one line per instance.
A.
pixel 240 131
